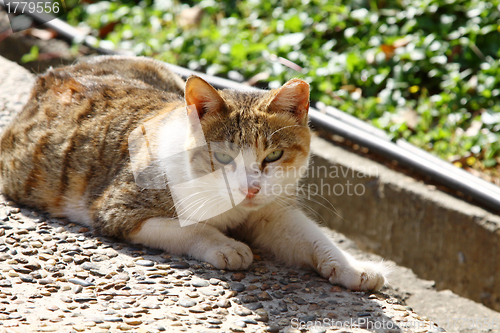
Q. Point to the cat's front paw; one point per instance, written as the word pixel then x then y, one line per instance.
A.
pixel 357 275
pixel 230 254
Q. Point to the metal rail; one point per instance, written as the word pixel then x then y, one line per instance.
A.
pixel 340 123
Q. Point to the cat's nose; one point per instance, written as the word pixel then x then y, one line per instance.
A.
pixel 251 192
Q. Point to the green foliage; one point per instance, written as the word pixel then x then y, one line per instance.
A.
pixel 32 56
pixel 424 70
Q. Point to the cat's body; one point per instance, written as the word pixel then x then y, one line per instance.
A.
pixel 68 153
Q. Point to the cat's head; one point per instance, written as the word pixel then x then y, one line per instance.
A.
pixel 261 140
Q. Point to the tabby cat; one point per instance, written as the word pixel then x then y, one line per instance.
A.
pixel 67 153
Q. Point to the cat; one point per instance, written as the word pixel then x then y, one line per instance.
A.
pixel 69 153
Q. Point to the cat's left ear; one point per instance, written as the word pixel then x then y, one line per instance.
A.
pixel 203 96
pixel 292 97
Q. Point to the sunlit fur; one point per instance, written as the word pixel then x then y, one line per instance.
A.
pixel 67 153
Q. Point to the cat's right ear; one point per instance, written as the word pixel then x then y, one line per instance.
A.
pixel 293 97
pixel 203 96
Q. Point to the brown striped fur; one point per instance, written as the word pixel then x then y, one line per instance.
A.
pixel 71 138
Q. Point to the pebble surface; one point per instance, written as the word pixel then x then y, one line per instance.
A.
pixel 113 287
pixel 56 276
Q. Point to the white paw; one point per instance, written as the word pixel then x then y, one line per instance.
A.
pixel 357 275
pixel 229 254
pixel 353 274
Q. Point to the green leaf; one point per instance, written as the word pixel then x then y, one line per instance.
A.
pixel 294 24
pixel 32 56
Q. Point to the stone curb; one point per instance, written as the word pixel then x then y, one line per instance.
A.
pixel 440 237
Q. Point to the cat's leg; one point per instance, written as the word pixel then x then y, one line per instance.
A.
pixel 201 241
pixel 295 239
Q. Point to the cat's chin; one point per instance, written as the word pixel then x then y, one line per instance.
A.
pixel 252 204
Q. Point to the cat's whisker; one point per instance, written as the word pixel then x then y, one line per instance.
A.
pixel 309 197
pixel 331 211
pixel 271 135
pixel 181 201
pixel 189 207
pixel 283 204
pixel 311 210
pixel 198 209
pixel 208 208
pixel 200 204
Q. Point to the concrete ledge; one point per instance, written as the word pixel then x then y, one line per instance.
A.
pixel 440 237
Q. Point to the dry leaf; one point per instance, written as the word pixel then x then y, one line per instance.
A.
pixel 43 34
pixel 401 42
pixel 256 78
pixel 290 64
pixel 104 31
pixel 474 128
pixel 388 51
pixel 190 17
pixel 349 88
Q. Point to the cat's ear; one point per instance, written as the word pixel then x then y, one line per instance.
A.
pixel 292 97
pixel 203 96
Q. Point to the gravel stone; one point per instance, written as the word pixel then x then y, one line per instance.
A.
pixel 21 270
pixel 282 306
pixel 121 277
pixel 26 278
pixel 241 311
pixel 223 303
pixel 52 307
pixel 240 323
pixel 238 276
pixel 159 328
pixel 298 300
pixel 66 299
pixel 5 283
pixel 199 283
pixel 133 321
pixel 273 328
pixel 186 302
pixel 147 263
pixel 89 266
pixel 80 282
pixel 44 282
pixel 249 299
pixel 151 306
pixel 124 327
pixel 33 266
pixel 254 306
pixel 214 321
pixel 239 287
pixel 87 245
pixel 263 296
pixel 214 281
pixel 179 265
pixel 210 292
pixel 82 299
pixel 307 318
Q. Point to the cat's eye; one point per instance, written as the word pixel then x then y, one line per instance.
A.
pixel 223 158
pixel 274 156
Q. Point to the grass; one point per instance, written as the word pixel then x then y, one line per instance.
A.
pixel 424 70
